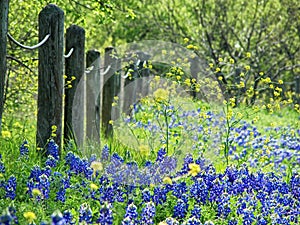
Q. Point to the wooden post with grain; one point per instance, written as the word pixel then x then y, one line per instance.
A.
pixel 74 70
pixel 50 75
pixel 3 45
pixel 93 93
pixel 109 90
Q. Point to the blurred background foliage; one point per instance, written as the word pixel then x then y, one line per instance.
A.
pixel 267 29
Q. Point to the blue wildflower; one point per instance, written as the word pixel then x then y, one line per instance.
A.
pixel 105 153
pixel 148 214
pixel 196 212
pixel 68 217
pixel 11 187
pixel 24 149
pixel 58 218
pixel 172 221
pixel 193 221
pixel 85 213
pixel 51 161
pixel 180 209
pixel 161 155
pixel 61 195
pixel 52 149
pixel 131 213
pixel 106 215
pixel 146 195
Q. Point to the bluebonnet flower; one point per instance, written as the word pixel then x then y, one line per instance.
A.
pixel 69 218
pixel 105 153
pixel 78 165
pixel 196 212
pixel 180 209
pixel 216 190
pixel 161 155
pixel 167 165
pixel 35 173
pixel 106 215
pixel 131 214
pixel 9 216
pixel 295 186
pixel 248 216
pixel 52 149
pixel 44 185
pixel 209 223
pixel 232 222
pixel 171 221
pixel 128 221
pixel 159 195
pixel 24 149
pixel 11 187
pixel 107 193
pixel 199 191
pixel 51 161
pixel 12 211
pixel 58 218
pixel 261 220
pixel 224 205
pixel 6 219
pixel 148 214
pixel 146 195
pixel 61 195
pixel 85 213
pixel 179 189
pixel 193 221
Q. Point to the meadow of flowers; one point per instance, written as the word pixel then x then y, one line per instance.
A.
pixel 173 160
pixel 260 185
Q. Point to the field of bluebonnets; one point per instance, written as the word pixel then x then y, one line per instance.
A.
pixel 186 162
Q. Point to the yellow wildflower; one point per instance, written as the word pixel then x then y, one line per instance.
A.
pixel 247 68
pixel 94 186
pixel 194 169
pixel 36 192
pixel 161 95
pixel 29 216
pixel 167 180
pixel 6 134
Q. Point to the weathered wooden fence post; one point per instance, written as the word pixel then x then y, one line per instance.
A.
pixel 50 75
pixel 145 71
pixel 93 93
pixel 109 89
pixel 130 86
pixel 74 69
pixel 3 36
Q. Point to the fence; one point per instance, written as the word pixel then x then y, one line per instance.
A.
pixel 55 60
pixel 55 103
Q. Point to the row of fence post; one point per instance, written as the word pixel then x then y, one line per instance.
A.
pixel 3 43
pixel 51 94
